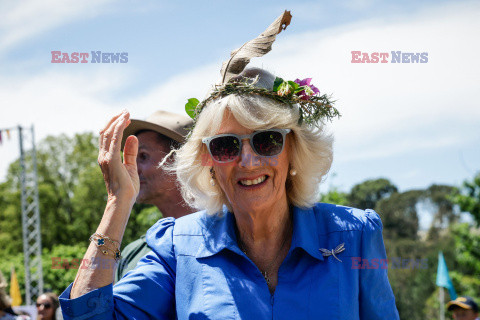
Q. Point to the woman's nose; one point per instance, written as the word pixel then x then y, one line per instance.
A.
pixel 247 154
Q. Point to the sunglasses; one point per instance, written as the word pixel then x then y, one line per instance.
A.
pixel 45 305
pixel 228 146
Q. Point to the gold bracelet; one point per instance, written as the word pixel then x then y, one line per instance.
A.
pixel 99 240
pixel 115 243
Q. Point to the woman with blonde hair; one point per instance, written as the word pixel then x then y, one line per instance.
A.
pixel 261 248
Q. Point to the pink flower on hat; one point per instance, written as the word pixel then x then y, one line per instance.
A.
pixel 309 89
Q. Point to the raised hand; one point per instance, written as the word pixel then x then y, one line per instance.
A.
pixel 121 178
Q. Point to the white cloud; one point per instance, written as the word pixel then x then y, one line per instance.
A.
pixel 174 93
pixel 21 20
pixel 55 103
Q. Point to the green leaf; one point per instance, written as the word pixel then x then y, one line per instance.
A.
pixel 190 107
pixel 276 84
pixel 294 85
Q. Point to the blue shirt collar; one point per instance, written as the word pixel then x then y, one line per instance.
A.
pixel 219 234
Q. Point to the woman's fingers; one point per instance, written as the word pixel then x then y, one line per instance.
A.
pixel 109 140
pixel 111 121
pixel 105 134
pixel 116 139
pixel 121 179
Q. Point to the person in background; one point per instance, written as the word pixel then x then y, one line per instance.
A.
pixel 157 136
pixel 47 305
pixel 6 312
pixel 463 308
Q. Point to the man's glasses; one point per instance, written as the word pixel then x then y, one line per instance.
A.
pixel 228 146
pixel 45 305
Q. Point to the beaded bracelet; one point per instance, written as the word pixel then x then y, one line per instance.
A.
pixel 99 240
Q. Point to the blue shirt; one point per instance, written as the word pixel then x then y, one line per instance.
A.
pixel 197 271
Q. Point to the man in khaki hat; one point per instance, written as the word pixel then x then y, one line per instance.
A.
pixel 157 136
pixel 463 308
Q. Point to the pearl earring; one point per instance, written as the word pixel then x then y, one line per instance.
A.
pixel 293 172
pixel 212 179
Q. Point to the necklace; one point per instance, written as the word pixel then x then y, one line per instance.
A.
pixel 265 273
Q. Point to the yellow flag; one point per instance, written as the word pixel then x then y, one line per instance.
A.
pixel 15 290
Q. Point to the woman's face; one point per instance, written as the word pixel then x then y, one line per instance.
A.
pixel 234 177
pixel 44 307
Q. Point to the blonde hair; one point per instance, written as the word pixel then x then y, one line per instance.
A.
pixel 310 147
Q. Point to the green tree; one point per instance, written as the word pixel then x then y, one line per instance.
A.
pixel 365 195
pixel 58 263
pixel 469 198
pixel 10 220
pixel 399 214
pixel 69 183
pixel 438 200
pixel 335 196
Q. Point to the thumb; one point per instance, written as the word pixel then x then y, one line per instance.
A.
pixel 130 152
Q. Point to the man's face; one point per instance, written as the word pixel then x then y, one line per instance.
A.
pixel 463 314
pixel 154 182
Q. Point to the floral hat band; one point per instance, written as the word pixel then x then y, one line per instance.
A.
pixel 314 108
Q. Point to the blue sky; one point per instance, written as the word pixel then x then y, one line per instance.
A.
pixel 416 124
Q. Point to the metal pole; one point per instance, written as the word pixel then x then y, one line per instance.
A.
pixel 32 246
pixel 26 256
pixel 36 213
pixel 442 303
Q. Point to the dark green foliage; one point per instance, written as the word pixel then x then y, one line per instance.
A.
pixel 335 196
pixel 399 214
pixel 469 198
pixel 365 195
pixel 58 267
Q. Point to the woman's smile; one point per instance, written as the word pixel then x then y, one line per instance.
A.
pixel 251 183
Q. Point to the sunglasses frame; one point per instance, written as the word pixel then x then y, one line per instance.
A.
pixel 46 305
pixel 250 136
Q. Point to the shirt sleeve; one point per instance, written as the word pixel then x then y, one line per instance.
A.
pixel 147 292
pixel 376 297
